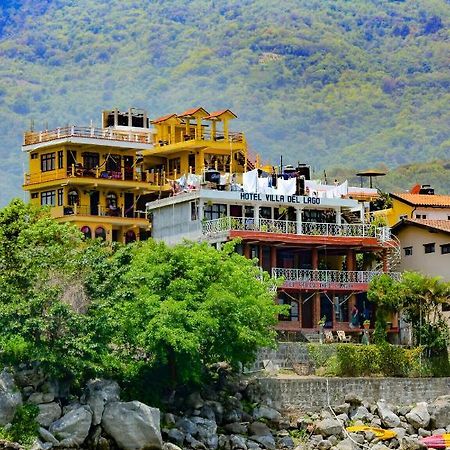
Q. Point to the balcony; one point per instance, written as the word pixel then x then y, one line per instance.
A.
pixel 222 226
pixel 327 279
pixel 208 136
pixel 107 134
pixel 99 211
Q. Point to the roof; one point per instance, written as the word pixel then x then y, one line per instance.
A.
pixel 435 225
pixel 436 201
pixel 163 118
pixel 192 111
pixel 371 173
pixel 217 114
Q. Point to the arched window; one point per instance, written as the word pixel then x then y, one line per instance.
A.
pixel 100 233
pixel 87 232
pixel 130 236
pixel 74 197
pixel 111 204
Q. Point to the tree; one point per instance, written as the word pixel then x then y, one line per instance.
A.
pixel 387 294
pixel 180 309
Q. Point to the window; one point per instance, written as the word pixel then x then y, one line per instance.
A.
pixel 74 198
pixel 429 248
pixel 445 249
pixel 421 216
pixel 35 156
pixel 60 197
pixel 215 211
pixel 100 233
pixel 175 164
pixel 446 307
pixel 265 212
pixel 293 314
pixel 48 198
pixel 47 162
pixel 34 195
pixel 113 163
pixel 194 211
pixel 87 232
pixel 408 251
pixel 60 159
pixel 91 160
pixel 130 236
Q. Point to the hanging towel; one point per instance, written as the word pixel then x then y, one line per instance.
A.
pixel 251 181
pixel 263 185
pixel 286 187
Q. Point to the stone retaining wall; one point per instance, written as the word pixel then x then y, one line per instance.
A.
pixel 311 392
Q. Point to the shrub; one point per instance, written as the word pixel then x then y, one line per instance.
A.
pixel 24 428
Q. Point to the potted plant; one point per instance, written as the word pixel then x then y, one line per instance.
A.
pixel 366 324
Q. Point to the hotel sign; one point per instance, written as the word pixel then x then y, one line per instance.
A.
pixel 294 199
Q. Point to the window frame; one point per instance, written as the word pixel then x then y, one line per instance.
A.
pixel 48 195
pixel 60 196
pixel 408 250
pixel 214 211
pixel 429 248
pixel 48 161
pixel 445 249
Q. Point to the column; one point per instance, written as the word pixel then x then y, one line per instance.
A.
pixel 315 258
pixel 316 309
pixel 273 257
pixel 299 212
pixel 247 250
pixel 385 260
pixel 338 216
pixel 350 261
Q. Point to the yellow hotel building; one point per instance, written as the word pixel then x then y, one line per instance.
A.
pixel 101 178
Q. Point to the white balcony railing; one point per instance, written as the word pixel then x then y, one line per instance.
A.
pixel 224 224
pixel 328 278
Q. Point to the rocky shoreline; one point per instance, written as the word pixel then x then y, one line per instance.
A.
pixel 236 414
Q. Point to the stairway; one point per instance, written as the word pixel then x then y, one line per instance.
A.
pixel 241 161
pixel 351 217
pixel 394 252
pixel 311 336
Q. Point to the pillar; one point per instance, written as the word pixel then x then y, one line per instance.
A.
pixel 338 216
pixel 351 263
pixel 247 250
pixel 273 257
pixel 316 309
pixel 298 213
pixel 385 260
pixel 315 258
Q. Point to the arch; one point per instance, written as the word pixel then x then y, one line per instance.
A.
pixel 111 204
pixel 86 231
pixel 130 236
pixel 100 233
pixel 73 197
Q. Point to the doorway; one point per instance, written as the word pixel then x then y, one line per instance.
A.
pixel 94 199
pixel 129 204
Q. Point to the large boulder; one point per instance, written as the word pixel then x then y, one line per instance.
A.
pixel 98 393
pixel 264 412
pixel 419 417
pixel 388 418
pixel 328 427
pixel 133 425
pixel 73 428
pixel 48 413
pixel 410 443
pixel 206 431
pixel 10 397
pixel 440 410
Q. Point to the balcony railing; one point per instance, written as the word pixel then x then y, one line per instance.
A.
pixel 86 210
pixel 233 137
pixel 225 224
pixel 307 278
pixel 31 137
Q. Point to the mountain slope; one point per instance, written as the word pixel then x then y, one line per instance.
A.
pixel 331 82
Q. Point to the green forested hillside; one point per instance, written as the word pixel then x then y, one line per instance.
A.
pixel 331 82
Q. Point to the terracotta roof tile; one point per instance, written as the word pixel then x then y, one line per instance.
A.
pixel 215 114
pixel 192 111
pixel 163 118
pixel 440 225
pixel 424 200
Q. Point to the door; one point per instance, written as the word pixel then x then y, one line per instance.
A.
pixel 128 166
pixel 94 198
pixel 191 162
pixel 129 204
pixel 307 311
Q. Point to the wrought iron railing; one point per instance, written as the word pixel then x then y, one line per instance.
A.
pixel 211 227
pixel 87 210
pixel 328 277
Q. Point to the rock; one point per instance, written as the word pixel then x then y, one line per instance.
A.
pixel 403 410
pixel 343 418
pixel 267 441
pixel 10 397
pixel 207 412
pixel 176 436
pixel 440 410
pixel 424 433
pixel 252 445
pixel 46 436
pixel 400 432
pixel 410 443
pixel 333 440
pixel 375 422
pixel 39 397
pixel 419 416
pixel 328 427
pixel 98 393
pixel 266 413
pixel 196 445
pixel 30 376
pixel 259 429
pixel 133 425
pixel 353 399
pixel 359 438
pixel 438 431
pixel 324 444
pixel 380 446
pixel 169 419
pixel 206 431
pixel 342 409
pixel 72 428
pixel 195 400
pixel 48 413
pixel 170 446
pixel 103 444
pixel 286 442
pixel 369 436
pixel 235 428
pixel 361 413
pixel 346 444
pixel 237 442
pixel 38 445
pixel 388 418
pixel 186 425
pixel 232 415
